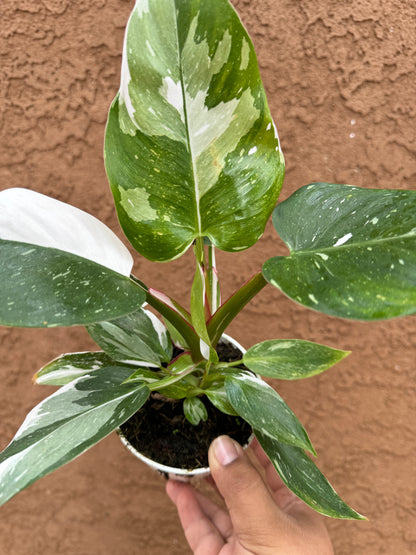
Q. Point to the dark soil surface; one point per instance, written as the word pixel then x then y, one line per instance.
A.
pixel 160 431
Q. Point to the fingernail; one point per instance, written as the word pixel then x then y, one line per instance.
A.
pixel 225 450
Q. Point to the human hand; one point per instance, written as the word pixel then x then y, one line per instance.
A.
pixel 261 518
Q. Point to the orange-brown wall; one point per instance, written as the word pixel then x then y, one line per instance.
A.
pixel 340 78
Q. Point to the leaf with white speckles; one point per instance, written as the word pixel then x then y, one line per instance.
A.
pixel 352 251
pixel 45 287
pixel 263 408
pixel 291 359
pixel 66 424
pixel 191 149
pixel 303 477
pixel 137 337
pixel 59 265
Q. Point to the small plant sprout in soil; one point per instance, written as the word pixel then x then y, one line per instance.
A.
pixel 194 162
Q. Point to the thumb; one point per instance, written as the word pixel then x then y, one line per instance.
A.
pixel 255 516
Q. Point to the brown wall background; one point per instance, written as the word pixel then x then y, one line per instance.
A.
pixel 340 77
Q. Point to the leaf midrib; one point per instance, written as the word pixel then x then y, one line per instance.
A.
pixel 188 139
pixel 349 245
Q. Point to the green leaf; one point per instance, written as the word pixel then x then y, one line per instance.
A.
pixel 144 375
pixel 191 149
pixel 265 410
pixel 176 336
pixel 137 337
pixel 352 251
pixel 66 368
pixel 194 410
pixel 291 359
pixel 66 424
pixel 46 287
pixel 306 481
pixel 218 397
pixel 178 390
pixel 181 364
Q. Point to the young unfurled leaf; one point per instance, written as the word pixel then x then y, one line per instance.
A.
pixel 66 424
pixel 265 410
pixel 303 477
pixel 352 251
pixel 138 338
pixel 66 368
pixel 191 149
pixel 60 266
pixel 194 410
pixel 291 359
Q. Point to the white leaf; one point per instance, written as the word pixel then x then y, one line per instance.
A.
pixel 30 217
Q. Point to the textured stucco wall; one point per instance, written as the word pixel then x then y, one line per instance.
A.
pixel 340 77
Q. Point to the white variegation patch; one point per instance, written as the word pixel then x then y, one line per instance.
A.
pixel 141 7
pixel 33 218
pixel 177 108
pixel 160 329
pixel 136 203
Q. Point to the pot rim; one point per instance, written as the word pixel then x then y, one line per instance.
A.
pixel 182 474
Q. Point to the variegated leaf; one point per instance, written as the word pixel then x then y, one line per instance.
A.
pixel 304 478
pixel 195 410
pixel 263 408
pixel 191 149
pixel 218 397
pixel 138 338
pixel 35 219
pixel 59 265
pixel 66 368
pixel 66 424
pixel 352 250
pixel 291 359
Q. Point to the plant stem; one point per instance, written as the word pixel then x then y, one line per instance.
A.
pixel 176 319
pixel 212 282
pixel 229 310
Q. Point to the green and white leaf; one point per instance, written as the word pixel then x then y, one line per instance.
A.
pixel 191 149
pixel 352 251
pixel 66 368
pixel 194 410
pixel 291 359
pixel 59 265
pixel 138 338
pixel 166 382
pixel 177 338
pixel 66 424
pixel 218 397
pixel 178 390
pixel 303 477
pixel 181 364
pixel 264 409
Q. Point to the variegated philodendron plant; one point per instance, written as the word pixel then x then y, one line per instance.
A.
pixel 193 159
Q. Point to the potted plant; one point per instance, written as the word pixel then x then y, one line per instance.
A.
pixel 194 161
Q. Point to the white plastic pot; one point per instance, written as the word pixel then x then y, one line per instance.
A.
pixel 180 474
